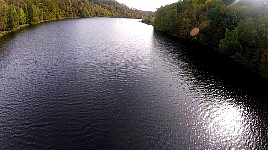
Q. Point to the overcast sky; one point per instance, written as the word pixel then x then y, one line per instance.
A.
pixel 146 4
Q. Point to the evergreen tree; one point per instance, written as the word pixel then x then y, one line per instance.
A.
pixel 13 17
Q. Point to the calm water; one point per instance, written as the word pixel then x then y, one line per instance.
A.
pixel 105 83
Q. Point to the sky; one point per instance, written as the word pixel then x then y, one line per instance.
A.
pixel 147 5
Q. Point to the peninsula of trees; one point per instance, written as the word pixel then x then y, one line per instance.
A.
pixel 238 29
pixel 17 13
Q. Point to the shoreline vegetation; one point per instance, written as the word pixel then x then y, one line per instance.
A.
pixel 3 33
pixel 236 29
pixel 17 14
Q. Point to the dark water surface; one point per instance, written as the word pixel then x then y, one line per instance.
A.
pixel 105 83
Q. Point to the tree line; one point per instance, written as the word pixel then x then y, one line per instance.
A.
pixel 238 29
pixel 15 13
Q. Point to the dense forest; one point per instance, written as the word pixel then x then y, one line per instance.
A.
pixel 238 29
pixel 17 13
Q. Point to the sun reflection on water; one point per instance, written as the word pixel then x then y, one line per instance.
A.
pixel 226 122
pixel 230 125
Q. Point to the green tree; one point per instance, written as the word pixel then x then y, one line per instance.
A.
pixel 22 16
pixel 230 44
pixel 3 16
pixel 33 12
pixel 13 18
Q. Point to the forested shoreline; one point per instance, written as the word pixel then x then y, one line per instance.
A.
pixel 15 14
pixel 238 29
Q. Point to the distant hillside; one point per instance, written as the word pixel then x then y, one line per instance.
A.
pixel 17 13
pixel 119 8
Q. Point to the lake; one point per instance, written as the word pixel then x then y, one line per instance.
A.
pixel 107 83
